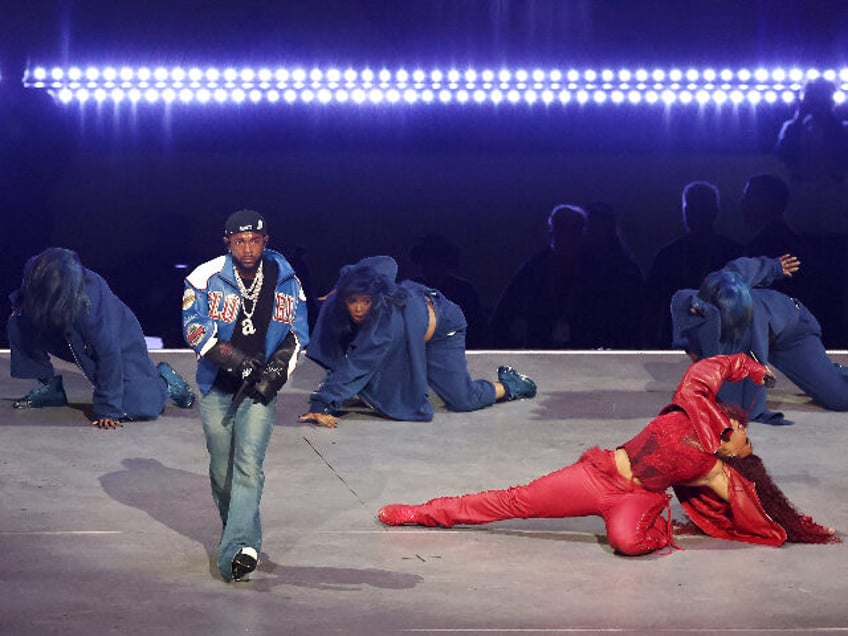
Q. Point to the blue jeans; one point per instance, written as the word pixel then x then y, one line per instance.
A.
pixel 236 441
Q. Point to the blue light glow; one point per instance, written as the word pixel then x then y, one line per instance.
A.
pixel 531 86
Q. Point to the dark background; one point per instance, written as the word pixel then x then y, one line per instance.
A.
pixel 138 192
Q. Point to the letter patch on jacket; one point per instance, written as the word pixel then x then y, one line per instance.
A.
pixel 222 307
pixel 284 308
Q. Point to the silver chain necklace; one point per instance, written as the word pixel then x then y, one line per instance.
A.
pixel 249 294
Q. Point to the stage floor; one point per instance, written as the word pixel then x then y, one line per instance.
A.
pixel 115 531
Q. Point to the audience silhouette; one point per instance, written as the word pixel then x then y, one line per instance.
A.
pixel 610 310
pixel 763 203
pixel 536 309
pixel 686 260
pixel 438 258
pixel 582 291
pixel 813 146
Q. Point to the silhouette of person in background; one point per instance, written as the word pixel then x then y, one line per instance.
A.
pixel 763 203
pixel 582 291
pixel 813 147
pixel 610 310
pixel 686 260
pixel 437 259
pixel 535 311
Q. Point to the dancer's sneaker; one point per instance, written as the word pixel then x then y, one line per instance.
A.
pixel 517 385
pixel 244 562
pixel 50 393
pixel 178 389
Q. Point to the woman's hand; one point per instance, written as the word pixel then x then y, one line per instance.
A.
pixel 790 264
pixel 324 419
pixel 107 422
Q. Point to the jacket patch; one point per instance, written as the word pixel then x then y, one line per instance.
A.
pixel 195 333
pixel 284 308
pixel 188 298
pixel 223 307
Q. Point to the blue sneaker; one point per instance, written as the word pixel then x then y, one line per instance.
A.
pixel 51 393
pixel 517 384
pixel 178 389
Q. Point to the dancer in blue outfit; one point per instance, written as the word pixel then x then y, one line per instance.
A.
pixel 245 315
pixel 732 312
pixel 68 311
pixel 385 342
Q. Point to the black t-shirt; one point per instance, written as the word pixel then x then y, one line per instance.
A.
pixel 252 344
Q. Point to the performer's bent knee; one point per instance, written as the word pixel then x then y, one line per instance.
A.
pixel 636 526
pixel 834 402
pixel 473 399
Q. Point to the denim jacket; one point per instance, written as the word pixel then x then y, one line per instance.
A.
pixel 106 342
pixel 386 363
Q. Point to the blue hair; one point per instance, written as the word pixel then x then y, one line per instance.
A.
pixel 357 280
pixel 729 292
pixel 53 288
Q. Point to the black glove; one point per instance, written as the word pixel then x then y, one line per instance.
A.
pixel 768 379
pixel 276 372
pixel 233 360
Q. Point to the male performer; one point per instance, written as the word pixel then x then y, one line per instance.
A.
pixel 245 315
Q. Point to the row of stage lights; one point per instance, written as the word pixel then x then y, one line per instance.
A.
pixel 298 85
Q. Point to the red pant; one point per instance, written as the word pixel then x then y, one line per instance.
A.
pixel 592 486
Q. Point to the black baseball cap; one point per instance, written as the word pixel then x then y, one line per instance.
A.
pixel 245 221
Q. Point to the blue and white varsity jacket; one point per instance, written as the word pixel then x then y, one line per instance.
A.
pixel 211 305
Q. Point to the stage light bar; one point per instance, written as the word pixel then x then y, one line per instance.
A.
pixel 665 86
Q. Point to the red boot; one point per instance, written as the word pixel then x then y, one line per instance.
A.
pixel 400 515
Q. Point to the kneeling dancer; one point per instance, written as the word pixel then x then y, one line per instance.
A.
pixel 386 342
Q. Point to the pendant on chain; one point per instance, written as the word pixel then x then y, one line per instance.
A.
pixel 247 327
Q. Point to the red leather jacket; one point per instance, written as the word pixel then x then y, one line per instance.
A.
pixel 742 518
pixel 696 393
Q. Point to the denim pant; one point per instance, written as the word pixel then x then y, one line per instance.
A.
pixel 236 441
pixel 447 366
pixel 797 352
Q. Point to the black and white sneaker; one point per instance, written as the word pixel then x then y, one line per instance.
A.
pixel 244 562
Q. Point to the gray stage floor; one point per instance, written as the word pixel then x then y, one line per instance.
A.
pixel 115 532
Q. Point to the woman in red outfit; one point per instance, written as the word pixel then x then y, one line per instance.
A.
pixel 696 445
